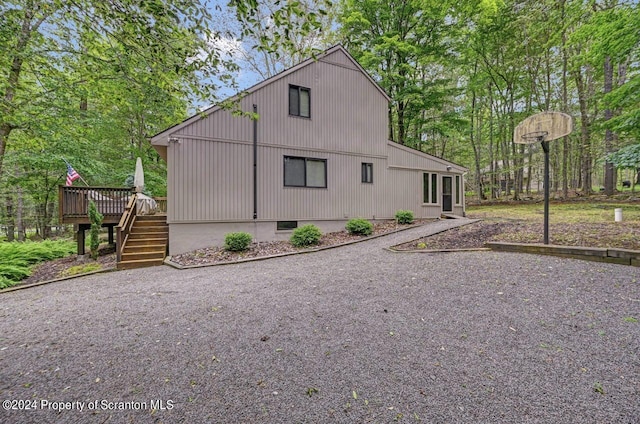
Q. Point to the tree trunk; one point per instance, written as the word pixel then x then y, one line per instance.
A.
pixel 22 236
pixel 585 135
pixel 565 105
pixel 11 225
pixel 476 152
pixel 608 136
pixel 13 75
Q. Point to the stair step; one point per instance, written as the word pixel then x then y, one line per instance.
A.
pixel 147 235
pixel 151 218
pixel 155 247
pixel 140 263
pixel 150 223
pixel 134 256
pixel 145 241
pixel 149 229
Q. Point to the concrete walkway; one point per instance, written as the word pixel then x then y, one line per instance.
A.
pixel 352 334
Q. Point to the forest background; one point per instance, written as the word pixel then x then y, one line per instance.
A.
pixel 91 81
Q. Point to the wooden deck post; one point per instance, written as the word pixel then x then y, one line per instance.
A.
pixel 80 237
pixel 110 227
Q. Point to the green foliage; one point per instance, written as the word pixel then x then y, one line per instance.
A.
pixel 237 242
pixel 81 269
pixel 627 157
pixel 17 258
pixel 404 217
pixel 9 273
pixel 95 217
pixel 307 235
pixel 359 226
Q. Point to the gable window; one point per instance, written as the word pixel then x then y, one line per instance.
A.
pixel 305 172
pixel 299 101
pixel 367 172
pixel 429 188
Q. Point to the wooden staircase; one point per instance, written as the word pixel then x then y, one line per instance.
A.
pixel 146 243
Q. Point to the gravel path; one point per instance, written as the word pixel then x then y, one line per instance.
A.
pixel 355 334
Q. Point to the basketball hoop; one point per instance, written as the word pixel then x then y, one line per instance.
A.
pixel 544 127
pixel 534 137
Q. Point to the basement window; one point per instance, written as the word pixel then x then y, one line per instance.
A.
pixel 286 225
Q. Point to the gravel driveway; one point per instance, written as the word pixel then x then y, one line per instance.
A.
pixel 355 334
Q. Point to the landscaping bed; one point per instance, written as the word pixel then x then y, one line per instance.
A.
pixel 589 234
pixel 217 254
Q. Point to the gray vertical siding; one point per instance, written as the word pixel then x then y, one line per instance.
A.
pixel 209 181
pixel 210 176
pixel 212 181
pixel 347 114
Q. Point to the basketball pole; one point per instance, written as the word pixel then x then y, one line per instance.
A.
pixel 545 147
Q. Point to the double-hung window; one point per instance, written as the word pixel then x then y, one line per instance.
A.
pixel 299 101
pixel 305 172
pixel 429 188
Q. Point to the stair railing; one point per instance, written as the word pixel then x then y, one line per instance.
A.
pixel 124 226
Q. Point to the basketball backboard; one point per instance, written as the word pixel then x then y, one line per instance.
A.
pixel 543 126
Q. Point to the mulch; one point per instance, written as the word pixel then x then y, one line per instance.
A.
pixel 217 254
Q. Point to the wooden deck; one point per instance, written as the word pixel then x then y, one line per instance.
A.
pixel 112 203
pixel 74 203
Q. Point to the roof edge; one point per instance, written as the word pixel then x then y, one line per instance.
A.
pixel 426 155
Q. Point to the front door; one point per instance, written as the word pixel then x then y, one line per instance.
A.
pixel 447 197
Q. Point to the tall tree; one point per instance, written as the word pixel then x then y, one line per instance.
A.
pixel 403 44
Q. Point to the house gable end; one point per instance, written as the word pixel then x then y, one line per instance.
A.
pixel 336 56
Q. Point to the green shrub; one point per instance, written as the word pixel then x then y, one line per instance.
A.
pixel 95 217
pixel 306 235
pixel 359 226
pixel 17 258
pixel 14 273
pixel 404 217
pixel 237 242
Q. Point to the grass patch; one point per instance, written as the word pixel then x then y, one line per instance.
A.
pixel 80 269
pixel 578 223
pixel 571 212
pixel 16 259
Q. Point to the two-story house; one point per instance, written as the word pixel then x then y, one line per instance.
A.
pixel 318 154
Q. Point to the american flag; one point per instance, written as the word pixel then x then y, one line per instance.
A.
pixel 72 175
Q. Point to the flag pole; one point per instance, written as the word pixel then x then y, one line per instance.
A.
pixel 81 179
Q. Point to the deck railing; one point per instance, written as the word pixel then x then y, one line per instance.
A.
pixel 124 226
pixel 162 205
pixel 74 203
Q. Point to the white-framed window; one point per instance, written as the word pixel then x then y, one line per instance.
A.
pixel 429 188
pixel 458 190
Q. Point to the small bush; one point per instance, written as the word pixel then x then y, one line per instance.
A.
pixel 404 217
pixel 306 235
pixel 95 217
pixel 237 242
pixel 359 226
